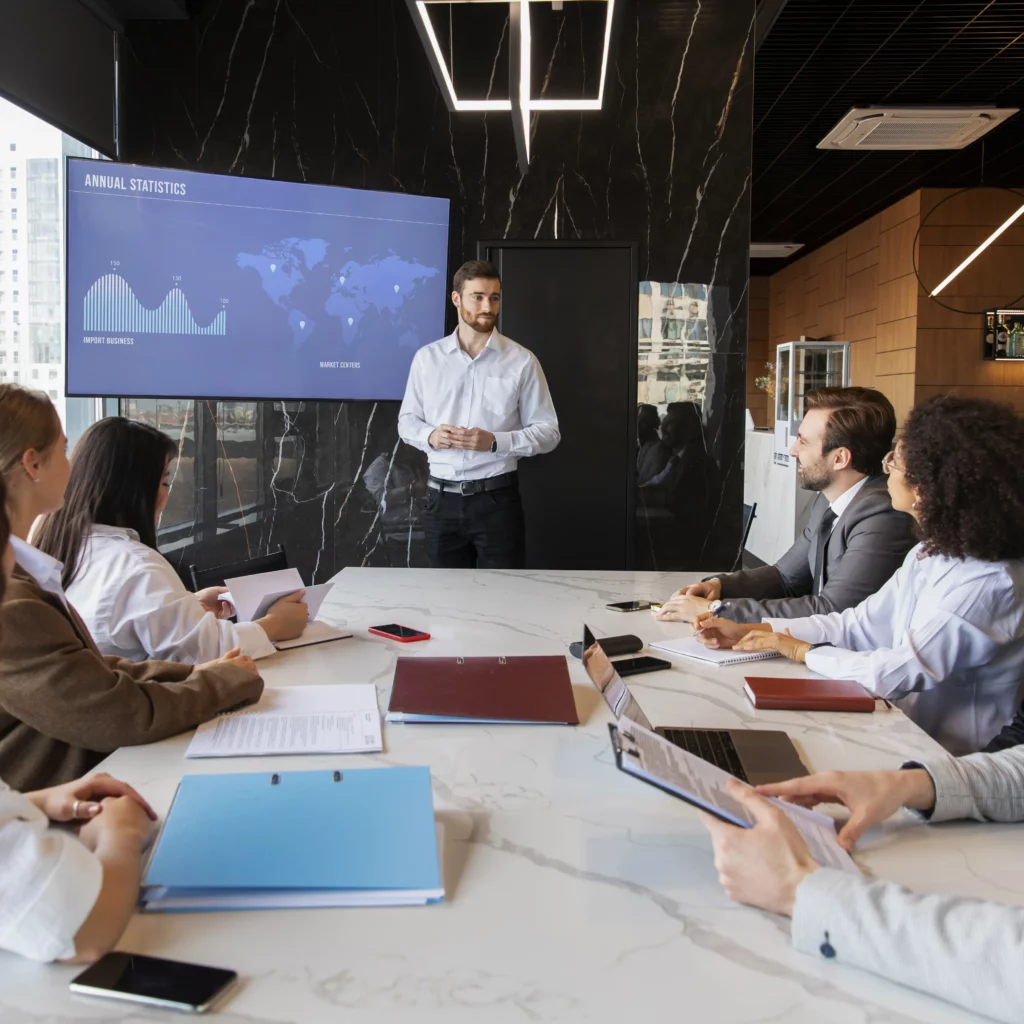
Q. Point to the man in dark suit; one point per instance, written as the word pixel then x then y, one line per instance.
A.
pixel 853 541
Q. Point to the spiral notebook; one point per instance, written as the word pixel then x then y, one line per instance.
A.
pixel 691 647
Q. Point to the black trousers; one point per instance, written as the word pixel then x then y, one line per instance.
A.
pixel 478 531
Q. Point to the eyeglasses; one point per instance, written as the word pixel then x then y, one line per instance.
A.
pixel 889 463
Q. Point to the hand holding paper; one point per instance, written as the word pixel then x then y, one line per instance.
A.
pixel 761 866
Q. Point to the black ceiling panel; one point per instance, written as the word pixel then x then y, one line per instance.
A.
pixel 823 57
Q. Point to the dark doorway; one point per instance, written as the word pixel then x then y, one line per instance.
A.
pixel 574 305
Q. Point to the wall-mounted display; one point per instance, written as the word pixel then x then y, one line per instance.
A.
pixel 1004 334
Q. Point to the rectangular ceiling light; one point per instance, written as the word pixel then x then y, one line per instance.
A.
pixel 436 55
pixel 977 252
pixel 441 69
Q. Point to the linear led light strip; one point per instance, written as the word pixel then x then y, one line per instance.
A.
pixel 981 248
pixel 526 102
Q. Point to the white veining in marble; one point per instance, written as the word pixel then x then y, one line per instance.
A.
pixel 574 892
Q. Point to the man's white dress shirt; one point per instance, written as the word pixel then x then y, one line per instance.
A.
pixel 502 391
pixel 944 637
pixel 136 607
pixel 843 502
pixel 49 882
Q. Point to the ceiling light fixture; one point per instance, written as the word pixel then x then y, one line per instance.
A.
pixel 521 103
pixel 977 252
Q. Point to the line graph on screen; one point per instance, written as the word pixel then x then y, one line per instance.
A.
pixel 110 305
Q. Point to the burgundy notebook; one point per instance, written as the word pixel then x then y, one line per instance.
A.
pixel 527 689
pixel 808 694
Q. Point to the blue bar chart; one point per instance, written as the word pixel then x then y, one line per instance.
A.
pixel 110 305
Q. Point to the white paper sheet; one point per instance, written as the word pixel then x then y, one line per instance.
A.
pixel 329 719
pixel 314 597
pixel 246 592
pixel 652 758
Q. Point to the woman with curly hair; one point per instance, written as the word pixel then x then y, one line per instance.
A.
pixel 945 636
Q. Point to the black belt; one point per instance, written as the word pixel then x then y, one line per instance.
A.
pixel 467 487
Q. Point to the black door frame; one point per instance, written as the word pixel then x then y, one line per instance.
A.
pixel 484 249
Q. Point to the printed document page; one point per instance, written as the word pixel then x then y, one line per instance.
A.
pixel 330 719
pixel 653 759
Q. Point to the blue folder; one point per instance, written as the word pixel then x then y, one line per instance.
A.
pixel 359 837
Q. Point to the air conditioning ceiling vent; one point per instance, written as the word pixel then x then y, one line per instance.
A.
pixel 902 128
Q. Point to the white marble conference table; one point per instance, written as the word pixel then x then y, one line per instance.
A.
pixel 574 892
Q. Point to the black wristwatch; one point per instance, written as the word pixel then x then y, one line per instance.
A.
pixel 494 445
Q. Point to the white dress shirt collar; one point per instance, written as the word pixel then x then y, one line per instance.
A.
pixel 451 343
pixel 40 566
pixel 845 500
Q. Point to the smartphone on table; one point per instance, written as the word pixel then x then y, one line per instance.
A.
pixel 629 606
pixel 403 634
pixel 637 666
pixel 170 984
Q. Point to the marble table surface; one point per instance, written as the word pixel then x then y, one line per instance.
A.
pixel 574 892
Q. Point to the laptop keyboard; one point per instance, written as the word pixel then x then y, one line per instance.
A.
pixel 714 745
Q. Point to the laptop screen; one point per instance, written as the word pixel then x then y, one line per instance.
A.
pixel 603 675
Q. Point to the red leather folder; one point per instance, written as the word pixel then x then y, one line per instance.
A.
pixel 512 689
pixel 808 694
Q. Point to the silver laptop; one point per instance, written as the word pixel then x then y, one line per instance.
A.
pixel 757 756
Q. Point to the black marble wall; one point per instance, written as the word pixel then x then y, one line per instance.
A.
pixel 341 93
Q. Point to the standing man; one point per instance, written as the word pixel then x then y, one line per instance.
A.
pixel 476 402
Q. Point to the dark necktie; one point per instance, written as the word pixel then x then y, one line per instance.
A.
pixel 821 542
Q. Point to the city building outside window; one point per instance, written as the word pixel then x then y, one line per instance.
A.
pixel 36 185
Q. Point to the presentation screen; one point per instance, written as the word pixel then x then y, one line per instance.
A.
pixel 181 284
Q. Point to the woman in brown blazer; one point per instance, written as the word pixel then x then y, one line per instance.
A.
pixel 63 706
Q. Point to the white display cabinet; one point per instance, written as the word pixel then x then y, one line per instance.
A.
pixel 800 367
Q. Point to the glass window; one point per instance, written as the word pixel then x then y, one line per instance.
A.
pixel 53 396
pixel 35 374
pixel 15 294
pixel 239 483
pixel 38 253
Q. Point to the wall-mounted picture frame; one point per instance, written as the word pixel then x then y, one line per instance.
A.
pixel 1004 335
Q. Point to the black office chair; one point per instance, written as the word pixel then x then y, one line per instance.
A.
pixel 749 513
pixel 216 575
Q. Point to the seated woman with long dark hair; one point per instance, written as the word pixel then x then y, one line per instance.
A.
pixel 128 594
pixel 63 706
pixel 945 636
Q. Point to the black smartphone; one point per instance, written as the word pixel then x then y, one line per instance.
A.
pixel 611 645
pixel 636 666
pixel 170 984
pixel 629 606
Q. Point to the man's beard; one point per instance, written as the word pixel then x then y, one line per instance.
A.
pixel 477 321
pixel 815 478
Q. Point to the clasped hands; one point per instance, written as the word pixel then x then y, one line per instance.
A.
pixel 470 439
